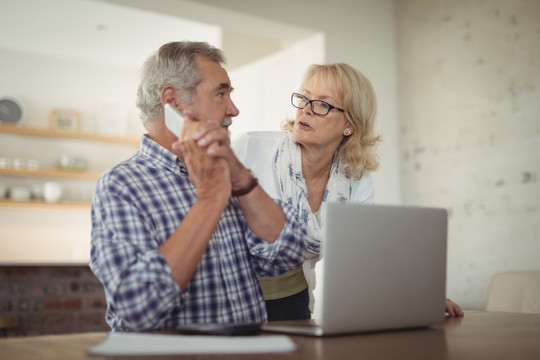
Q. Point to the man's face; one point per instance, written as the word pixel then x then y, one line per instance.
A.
pixel 212 99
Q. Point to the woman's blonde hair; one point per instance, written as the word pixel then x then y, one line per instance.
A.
pixel 357 152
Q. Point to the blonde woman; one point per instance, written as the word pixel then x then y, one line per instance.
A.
pixel 324 155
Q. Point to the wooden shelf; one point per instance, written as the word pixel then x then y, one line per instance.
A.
pixel 35 131
pixel 55 173
pixel 52 173
pixel 36 204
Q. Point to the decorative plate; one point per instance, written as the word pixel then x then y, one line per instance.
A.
pixel 11 111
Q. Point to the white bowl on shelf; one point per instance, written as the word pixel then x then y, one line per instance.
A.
pixel 52 192
pixel 19 193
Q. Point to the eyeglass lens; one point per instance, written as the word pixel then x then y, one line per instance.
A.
pixel 319 107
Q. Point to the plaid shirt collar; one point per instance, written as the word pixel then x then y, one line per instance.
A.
pixel 159 155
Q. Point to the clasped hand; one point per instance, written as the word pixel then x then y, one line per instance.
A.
pixel 213 168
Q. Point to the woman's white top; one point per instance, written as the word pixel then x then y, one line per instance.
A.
pixel 275 160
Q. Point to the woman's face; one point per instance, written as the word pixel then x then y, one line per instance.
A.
pixel 321 131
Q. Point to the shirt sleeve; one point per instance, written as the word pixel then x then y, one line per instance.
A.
pixel 286 253
pixel 362 192
pixel 125 257
pixel 255 151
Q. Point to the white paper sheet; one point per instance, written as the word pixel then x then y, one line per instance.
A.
pixel 119 343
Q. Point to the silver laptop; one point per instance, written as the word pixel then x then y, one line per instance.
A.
pixel 384 268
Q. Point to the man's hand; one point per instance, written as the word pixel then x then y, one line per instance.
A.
pixel 264 216
pixel 215 139
pixel 209 175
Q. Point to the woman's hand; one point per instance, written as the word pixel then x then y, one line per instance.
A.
pixel 452 308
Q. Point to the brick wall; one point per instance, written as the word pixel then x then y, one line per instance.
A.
pixel 51 300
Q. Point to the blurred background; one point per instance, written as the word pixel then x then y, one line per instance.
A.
pixel 458 87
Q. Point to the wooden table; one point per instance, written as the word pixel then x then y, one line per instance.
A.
pixel 479 335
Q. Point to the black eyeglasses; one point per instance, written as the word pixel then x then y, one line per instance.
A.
pixel 319 107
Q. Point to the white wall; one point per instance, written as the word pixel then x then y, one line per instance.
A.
pixel 263 88
pixel 44 82
pixel 469 94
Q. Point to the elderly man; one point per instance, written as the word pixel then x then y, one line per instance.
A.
pixel 179 234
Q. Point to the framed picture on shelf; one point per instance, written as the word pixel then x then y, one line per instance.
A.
pixel 65 120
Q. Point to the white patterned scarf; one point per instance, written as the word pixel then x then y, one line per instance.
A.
pixel 292 185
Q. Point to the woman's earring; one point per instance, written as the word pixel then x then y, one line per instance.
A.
pixel 347 132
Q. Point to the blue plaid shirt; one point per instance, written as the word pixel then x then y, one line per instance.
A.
pixel 137 205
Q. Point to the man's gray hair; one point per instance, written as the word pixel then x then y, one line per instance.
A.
pixel 173 64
